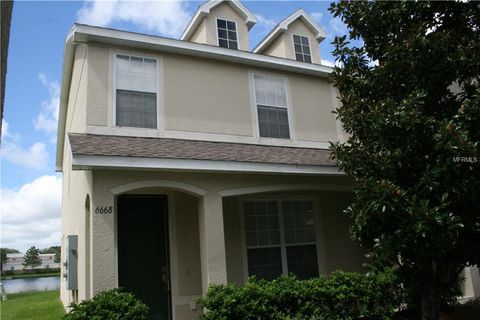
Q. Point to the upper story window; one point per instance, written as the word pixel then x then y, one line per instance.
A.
pixel 280 238
pixel 227 34
pixel 135 92
pixel 302 49
pixel 271 103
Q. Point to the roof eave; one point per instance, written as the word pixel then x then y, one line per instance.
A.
pixel 84 34
pixel 101 162
pixel 67 68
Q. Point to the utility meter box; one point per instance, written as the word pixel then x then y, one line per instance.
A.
pixel 70 270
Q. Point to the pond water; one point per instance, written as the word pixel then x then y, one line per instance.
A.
pixel 31 284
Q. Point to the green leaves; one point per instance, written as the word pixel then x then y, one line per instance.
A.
pixel 340 296
pixel 32 258
pixel 112 304
pixel 414 136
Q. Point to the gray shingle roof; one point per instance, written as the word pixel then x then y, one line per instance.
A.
pixel 166 148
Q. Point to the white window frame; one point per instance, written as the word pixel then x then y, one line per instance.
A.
pixel 318 225
pixel 236 31
pixel 309 47
pixel 159 89
pixel 253 102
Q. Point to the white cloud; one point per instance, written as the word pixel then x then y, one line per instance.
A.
pixel 337 26
pixel 167 18
pixel 47 119
pixel 7 134
pixel 317 16
pixel 5 131
pixel 327 63
pixel 330 63
pixel 265 23
pixel 31 214
pixel 33 157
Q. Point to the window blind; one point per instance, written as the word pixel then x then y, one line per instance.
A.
pixel 136 92
pixel 270 97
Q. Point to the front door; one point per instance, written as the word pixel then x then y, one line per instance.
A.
pixel 143 251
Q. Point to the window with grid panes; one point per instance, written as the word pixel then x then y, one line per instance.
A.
pixel 280 238
pixel 136 92
pixel 227 34
pixel 302 49
pixel 271 102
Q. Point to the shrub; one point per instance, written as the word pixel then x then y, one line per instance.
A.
pixel 113 304
pixel 342 295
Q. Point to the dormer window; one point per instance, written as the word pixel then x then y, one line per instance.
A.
pixel 302 49
pixel 227 34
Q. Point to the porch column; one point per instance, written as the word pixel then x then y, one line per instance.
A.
pixel 103 243
pixel 212 240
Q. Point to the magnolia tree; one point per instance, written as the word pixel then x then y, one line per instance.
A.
pixel 411 108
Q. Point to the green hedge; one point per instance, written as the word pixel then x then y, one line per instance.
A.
pixel 340 296
pixel 109 305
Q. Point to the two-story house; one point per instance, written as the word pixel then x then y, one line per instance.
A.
pixel 196 161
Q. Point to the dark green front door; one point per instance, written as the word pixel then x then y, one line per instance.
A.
pixel 143 251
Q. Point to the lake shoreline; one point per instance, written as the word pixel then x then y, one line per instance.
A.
pixel 29 275
pixel 31 284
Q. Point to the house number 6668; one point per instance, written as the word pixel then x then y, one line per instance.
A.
pixel 104 209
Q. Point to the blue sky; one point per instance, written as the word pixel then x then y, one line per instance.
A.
pixel 31 190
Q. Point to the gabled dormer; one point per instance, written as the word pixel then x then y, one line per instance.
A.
pixel 223 23
pixel 296 38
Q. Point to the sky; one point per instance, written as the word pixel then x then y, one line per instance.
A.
pixel 30 187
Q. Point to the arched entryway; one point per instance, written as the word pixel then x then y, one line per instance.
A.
pixel 147 257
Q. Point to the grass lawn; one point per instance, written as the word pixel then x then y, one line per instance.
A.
pixel 43 305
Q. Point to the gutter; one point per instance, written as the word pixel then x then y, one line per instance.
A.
pixel 85 34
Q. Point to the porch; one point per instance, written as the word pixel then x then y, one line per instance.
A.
pixel 220 228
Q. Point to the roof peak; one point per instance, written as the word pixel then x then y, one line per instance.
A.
pixel 205 8
pixel 282 26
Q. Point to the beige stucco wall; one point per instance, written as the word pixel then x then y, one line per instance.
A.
pixel 76 185
pixel 312 109
pixel 276 48
pixel 97 86
pixel 200 35
pixel 76 114
pixel 187 246
pixel 206 32
pixel 212 99
pixel 76 188
pixel 231 216
pixel 282 46
pixel 341 252
pixel 208 96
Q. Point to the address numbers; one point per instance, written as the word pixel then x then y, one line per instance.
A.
pixel 104 209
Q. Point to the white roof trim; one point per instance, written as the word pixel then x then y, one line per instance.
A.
pixel 320 34
pixel 287 187
pixel 89 162
pixel 204 10
pixel 83 34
